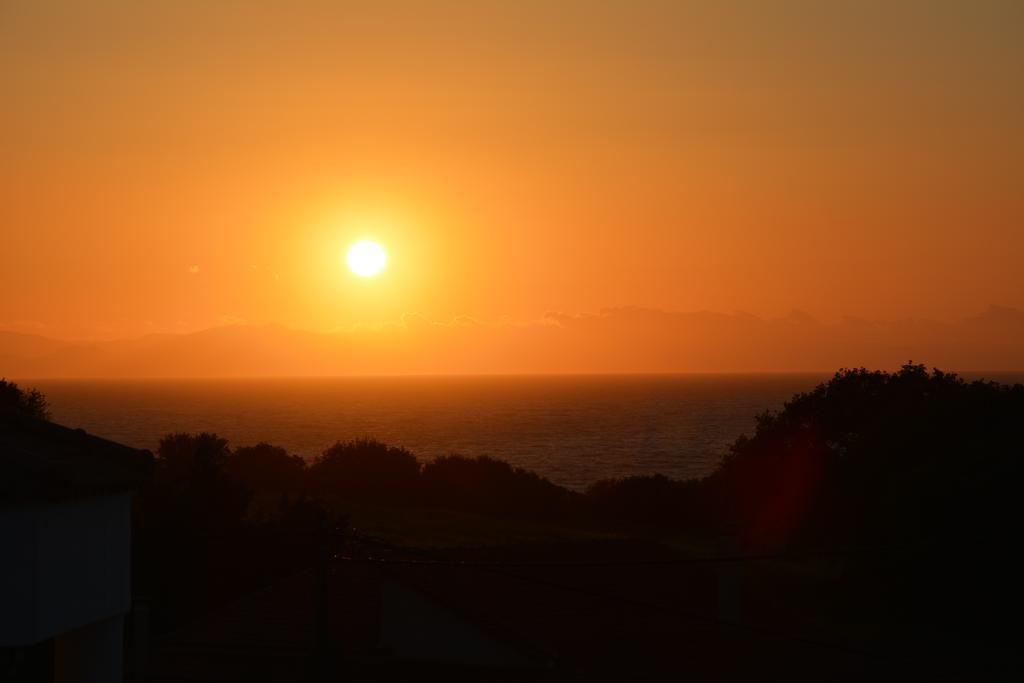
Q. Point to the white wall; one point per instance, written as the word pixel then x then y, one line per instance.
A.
pixel 62 566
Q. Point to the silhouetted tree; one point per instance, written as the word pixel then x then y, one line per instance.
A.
pixel 366 469
pixel 23 401
pixel 492 486
pixel 267 470
pixel 195 544
pixel 878 456
pixel 191 478
pixel 919 471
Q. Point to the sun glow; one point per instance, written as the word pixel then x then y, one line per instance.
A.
pixel 366 258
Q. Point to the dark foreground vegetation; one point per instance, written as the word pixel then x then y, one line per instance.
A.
pixel 914 475
pixel 25 401
pixel 911 478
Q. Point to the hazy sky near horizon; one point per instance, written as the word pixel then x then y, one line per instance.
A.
pixel 169 166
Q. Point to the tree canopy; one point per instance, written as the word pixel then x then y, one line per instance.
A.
pixel 29 402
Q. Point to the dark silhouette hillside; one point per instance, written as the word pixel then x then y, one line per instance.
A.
pixel 627 340
pixel 866 459
pixel 909 481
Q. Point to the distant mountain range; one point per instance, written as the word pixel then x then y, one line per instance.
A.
pixel 614 340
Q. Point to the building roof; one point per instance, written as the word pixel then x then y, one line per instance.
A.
pixel 43 461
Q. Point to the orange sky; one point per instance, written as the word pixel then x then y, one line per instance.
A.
pixel 172 166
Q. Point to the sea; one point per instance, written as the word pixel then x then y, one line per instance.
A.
pixel 574 430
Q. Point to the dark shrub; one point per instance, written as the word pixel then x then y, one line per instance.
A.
pixel 366 469
pixel 267 471
pixel 914 474
pixel 873 457
pixel 24 401
pixel 191 483
pixel 492 486
pixel 655 500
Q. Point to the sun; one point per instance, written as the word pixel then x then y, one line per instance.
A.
pixel 366 258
